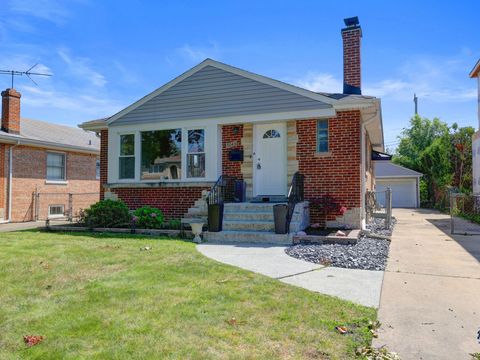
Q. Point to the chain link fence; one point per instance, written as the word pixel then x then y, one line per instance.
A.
pixel 378 204
pixel 65 206
pixel 464 214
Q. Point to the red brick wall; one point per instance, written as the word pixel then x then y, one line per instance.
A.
pixel 11 111
pixel 173 201
pixel 337 172
pixel 103 161
pixel 351 57
pixel 29 175
pixel 229 138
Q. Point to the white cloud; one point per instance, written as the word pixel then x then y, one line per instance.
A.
pixel 320 82
pixel 438 80
pixel 50 10
pixel 197 53
pixel 73 101
pixel 81 68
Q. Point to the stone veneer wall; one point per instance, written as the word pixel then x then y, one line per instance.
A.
pixel 247 165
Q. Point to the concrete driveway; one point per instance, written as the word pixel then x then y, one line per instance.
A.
pixel 430 302
pixel 359 286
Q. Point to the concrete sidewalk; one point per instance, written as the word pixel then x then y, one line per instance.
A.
pixel 430 303
pixel 8 227
pixel 359 286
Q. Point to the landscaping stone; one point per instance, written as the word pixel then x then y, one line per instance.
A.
pixel 368 253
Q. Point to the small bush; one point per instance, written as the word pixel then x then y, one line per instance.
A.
pixel 148 217
pixel 106 213
pixel 173 224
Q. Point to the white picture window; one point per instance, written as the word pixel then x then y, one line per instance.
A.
pixel 56 210
pixel 56 166
pixel 196 153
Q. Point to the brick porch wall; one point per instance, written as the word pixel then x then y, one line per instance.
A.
pixel 231 141
pixel 174 201
pixel 337 172
pixel 29 175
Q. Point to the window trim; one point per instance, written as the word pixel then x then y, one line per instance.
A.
pixel 127 156
pixel 56 181
pixel 317 142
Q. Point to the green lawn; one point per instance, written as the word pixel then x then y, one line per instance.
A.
pixel 100 297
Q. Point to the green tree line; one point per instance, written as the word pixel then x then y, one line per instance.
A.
pixel 442 153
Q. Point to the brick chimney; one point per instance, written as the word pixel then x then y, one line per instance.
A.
pixel 11 111
pixel 351 35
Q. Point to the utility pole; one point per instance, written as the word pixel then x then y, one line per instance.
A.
pixel 415 100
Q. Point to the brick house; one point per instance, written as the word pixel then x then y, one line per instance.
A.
pixel 475 73
pixel 216 120
pixel 41 164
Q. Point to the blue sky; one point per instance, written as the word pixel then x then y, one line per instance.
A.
pixel 106 54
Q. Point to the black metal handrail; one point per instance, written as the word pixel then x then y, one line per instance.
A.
pixel 296 194
pixel 223 191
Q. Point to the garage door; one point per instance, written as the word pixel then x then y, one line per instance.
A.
pixel 404 192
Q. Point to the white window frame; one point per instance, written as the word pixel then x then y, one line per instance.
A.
pixel 184 157
pixel 50 216
pixel 56 181
pixel 135 143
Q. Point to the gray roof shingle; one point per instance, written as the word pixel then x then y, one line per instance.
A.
pixel 385 168
pixel 57 134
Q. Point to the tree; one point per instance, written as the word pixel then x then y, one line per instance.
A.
pixel 442 153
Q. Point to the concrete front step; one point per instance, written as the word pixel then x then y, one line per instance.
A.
pixel 249 225
pixel 248 216
pixel 258 237
pixel 245 207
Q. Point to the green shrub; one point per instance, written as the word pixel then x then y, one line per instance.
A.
pixel 148 217
pixel 106 213
pixel 173 224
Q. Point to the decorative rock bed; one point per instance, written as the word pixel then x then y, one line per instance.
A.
pixel 368 253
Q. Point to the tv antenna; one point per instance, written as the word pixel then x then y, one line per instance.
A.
pixel 28 73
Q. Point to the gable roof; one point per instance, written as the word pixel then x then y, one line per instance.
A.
pixel 213 89
pixel 41 133
pixel 386 169
pixel 476 69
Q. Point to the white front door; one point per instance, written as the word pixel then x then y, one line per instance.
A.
pixel 270 159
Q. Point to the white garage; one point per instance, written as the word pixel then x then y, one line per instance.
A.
pixel 404 182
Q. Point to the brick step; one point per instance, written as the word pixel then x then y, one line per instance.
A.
pixel 258 237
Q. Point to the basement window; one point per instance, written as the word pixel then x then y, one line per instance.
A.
pixel 322 136
pixel 56 211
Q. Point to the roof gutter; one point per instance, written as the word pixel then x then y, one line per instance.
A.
pixel 51 145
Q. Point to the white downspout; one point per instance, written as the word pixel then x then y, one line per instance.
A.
pixel 362 176
pixel 10 180
pixel 363 169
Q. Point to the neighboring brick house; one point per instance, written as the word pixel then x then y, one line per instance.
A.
pixel 217 119
pixel 475 73
pixel 41 164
